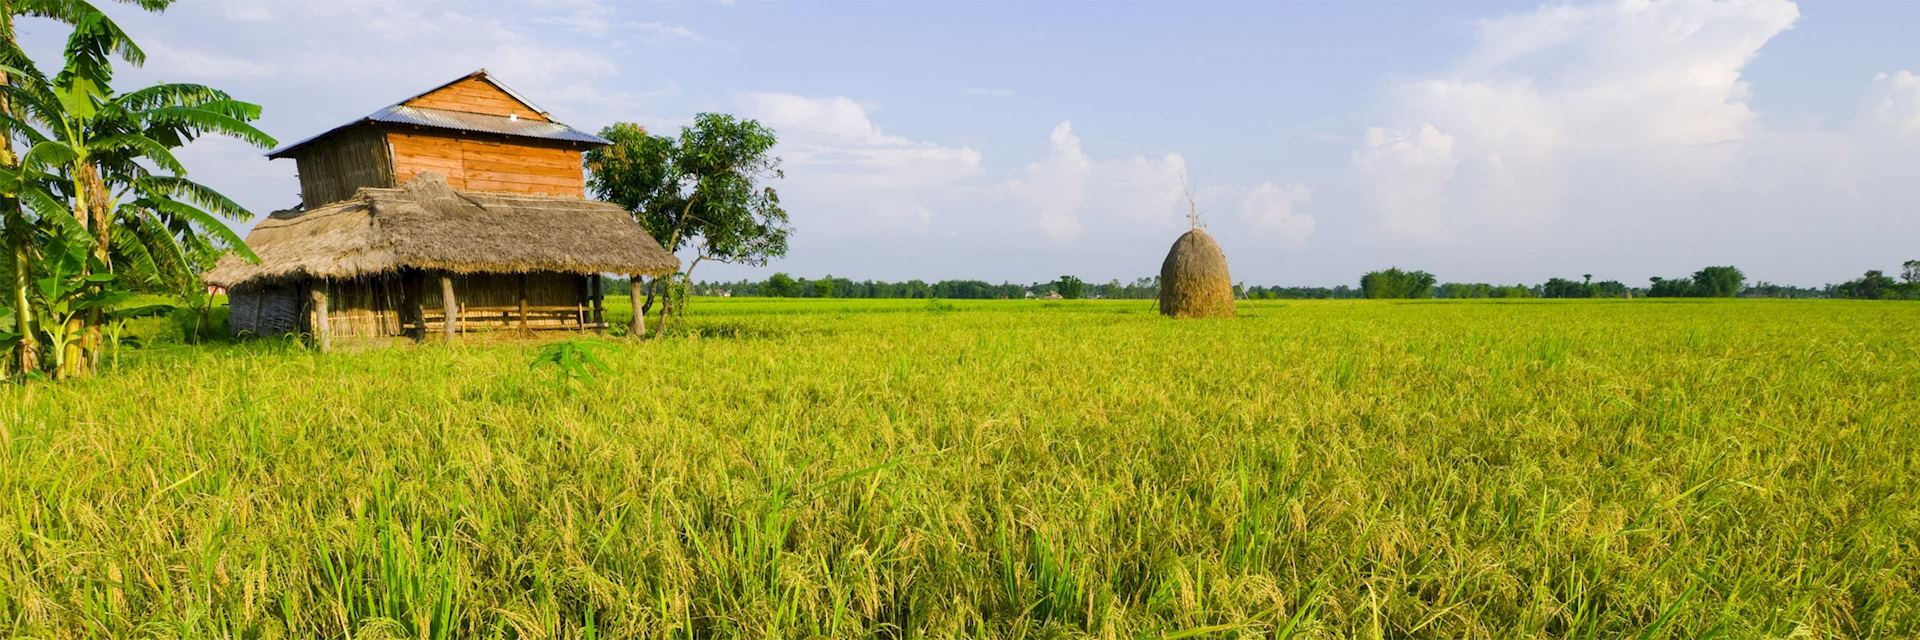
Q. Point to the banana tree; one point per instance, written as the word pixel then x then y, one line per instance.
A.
pixel 68 289
pixel 111 148
pixel 94 42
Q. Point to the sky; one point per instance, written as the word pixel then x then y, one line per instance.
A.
pixel 1481 141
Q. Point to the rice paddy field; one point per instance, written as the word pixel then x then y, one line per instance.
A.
pixel 1017 469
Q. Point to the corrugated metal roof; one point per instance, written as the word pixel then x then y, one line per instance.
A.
pixel 483 123
pixel 401 114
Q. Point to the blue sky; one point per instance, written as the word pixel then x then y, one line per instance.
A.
pixel 1496 141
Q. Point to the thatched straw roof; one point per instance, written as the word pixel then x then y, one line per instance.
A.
pixel 426 224
pixel 1193 279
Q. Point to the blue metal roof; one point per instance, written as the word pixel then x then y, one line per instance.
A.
pixel 483 123
pixel 400 114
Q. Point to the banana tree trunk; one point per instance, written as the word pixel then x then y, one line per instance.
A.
pixel 29 348
pixel 100 219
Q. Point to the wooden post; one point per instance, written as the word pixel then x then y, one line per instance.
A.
pixel 639 327
pixel 597 291
pixel 448 307
pixel 322 329
pixel 523 302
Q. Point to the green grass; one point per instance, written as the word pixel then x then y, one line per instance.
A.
pixel 997 469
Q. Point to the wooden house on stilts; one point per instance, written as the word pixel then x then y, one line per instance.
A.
pixel 459 209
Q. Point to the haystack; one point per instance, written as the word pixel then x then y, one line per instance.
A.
pixel 1194 281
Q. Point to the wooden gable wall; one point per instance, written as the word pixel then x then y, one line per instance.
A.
pixel 488 165
pixel 387 156
pixel 474 95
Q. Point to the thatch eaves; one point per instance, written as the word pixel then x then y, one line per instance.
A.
pixel 426 224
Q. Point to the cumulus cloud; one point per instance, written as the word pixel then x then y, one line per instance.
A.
pixel 833 138
pixel 1272 207
pixel 659 33
pixel 1893 101
pixel 1067 187
pixel 856 180
pixel 204 64
pixel 1054 188
pixel 1410 171
pixel 1644 91
pixel 862 180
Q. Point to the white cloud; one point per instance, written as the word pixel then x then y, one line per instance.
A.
pixel 834 137
pixel 1893 100
pixel 246 10
pixel 1410 171
pixel 852 177
pixel 1631 90
pixel 659 33
pixel 1054 188
pixel 204 64
pixel 1067 189
pixel 1272 207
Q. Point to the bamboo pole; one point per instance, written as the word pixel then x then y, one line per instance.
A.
pixel 523 302
pixel 448 307
pixel 597 291
pixel 322 329
pixel 639 327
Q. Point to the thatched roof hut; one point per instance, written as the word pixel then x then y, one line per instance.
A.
pixel 358 268
pixel 428 225
pixel 1193 280
pixel 468 184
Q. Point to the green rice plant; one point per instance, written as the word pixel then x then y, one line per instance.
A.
pixel 856 469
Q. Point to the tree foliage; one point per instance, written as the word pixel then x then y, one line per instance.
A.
pixel 1877 285
pixel 1710 282
pixel 781 285
pixel 705 189
pixel 96 173
pixel 1070 287
pixel 1719 282
pixel 1395 283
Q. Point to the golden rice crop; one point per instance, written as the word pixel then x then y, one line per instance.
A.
pixel 999 469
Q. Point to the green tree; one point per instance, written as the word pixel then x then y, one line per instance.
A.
pixel 94 35
pixel 823 288
pixel 1564 288
pixel 1875 285
pixel 1395 283
pixel 1070 287
pixel 1718 282
pixel 1609 289
pixel 781 285
pixel 1670 288
pixel 99 172
pixel 702 190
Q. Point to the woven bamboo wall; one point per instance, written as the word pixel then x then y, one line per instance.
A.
pixel 376 307
pixel 331 169
pixel 265 311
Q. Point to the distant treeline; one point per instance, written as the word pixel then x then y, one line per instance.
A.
pixel 1710 282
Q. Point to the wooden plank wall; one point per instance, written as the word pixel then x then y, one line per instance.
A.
pixel 488 165
pixel 473 95
pixel 331 169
